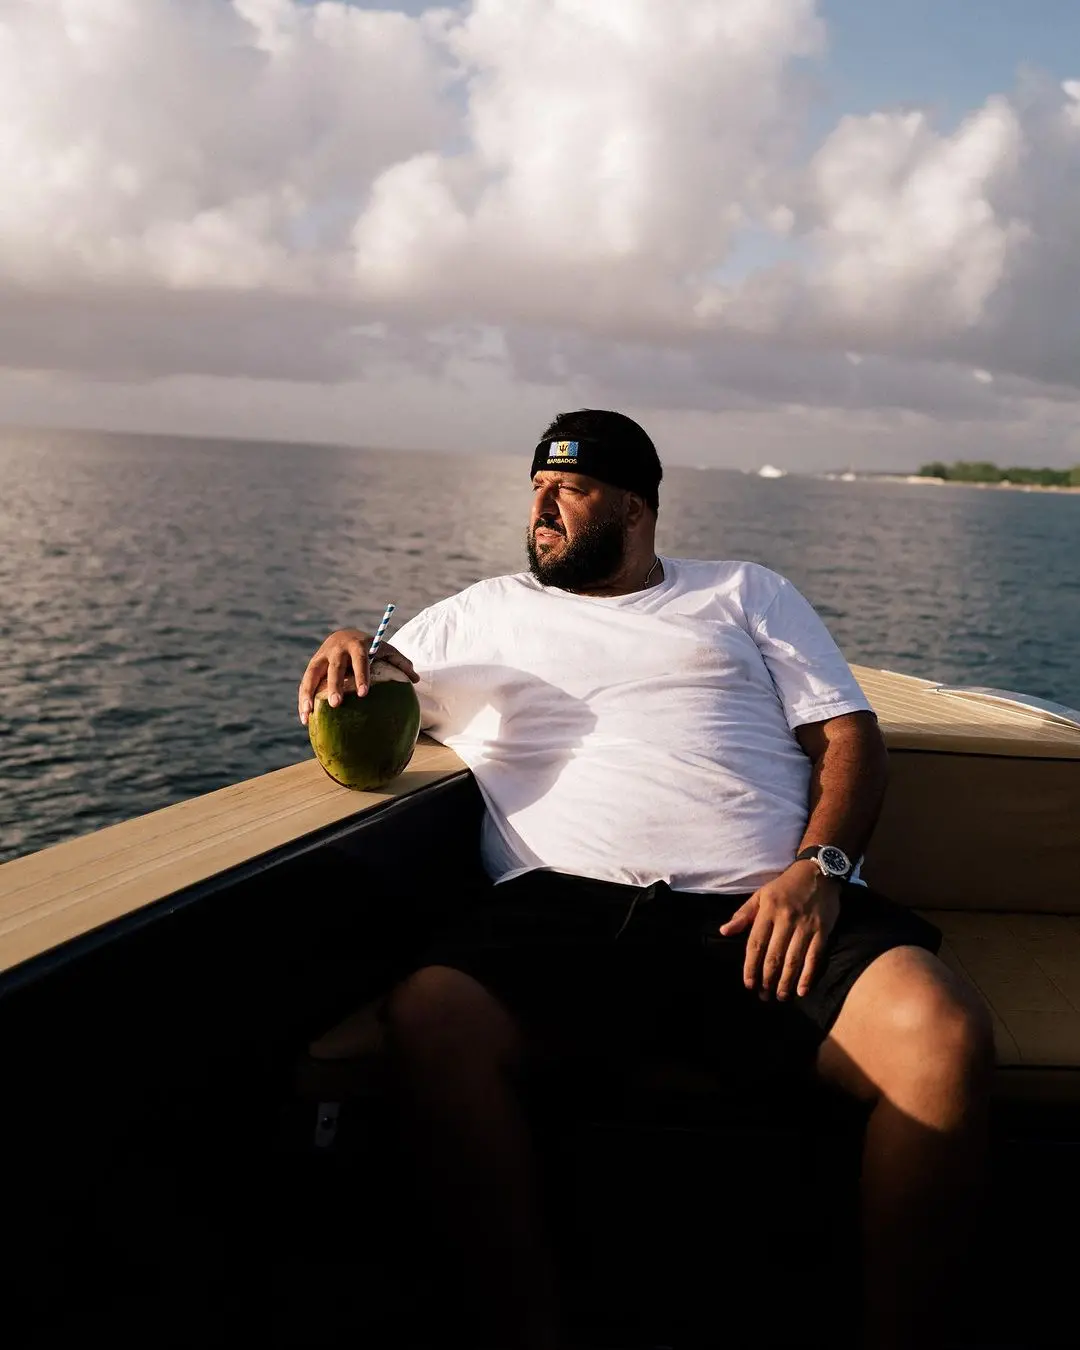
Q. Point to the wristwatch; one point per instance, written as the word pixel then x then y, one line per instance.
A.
pixel 833 862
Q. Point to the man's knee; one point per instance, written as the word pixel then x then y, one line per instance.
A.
pixel 947 1028
pixel 910 1023
pixel 442 1014
pixel 923 1013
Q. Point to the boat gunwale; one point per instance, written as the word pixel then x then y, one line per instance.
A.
pixel 20 973
pixel 150 873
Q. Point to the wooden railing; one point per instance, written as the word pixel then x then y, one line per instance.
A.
pixel 71 889
pixel 68 890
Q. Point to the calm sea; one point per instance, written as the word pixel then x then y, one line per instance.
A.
pixel 160 597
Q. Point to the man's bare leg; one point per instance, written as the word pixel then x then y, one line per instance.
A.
pixel 455 1049
pixel 916 1043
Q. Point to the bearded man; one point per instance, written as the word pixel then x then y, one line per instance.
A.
pixel 680 776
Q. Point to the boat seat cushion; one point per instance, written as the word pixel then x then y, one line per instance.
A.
pixel 1026 967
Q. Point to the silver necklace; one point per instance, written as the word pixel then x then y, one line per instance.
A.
pixel 652 569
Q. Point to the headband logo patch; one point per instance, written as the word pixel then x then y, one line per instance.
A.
pixel 563 452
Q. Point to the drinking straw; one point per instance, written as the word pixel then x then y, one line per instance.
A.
pixel 380 631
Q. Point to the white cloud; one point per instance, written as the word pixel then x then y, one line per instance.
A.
pixel 270 190
pixel 612 149
pixel 1071 90
pixel 193 144
pixel 909 241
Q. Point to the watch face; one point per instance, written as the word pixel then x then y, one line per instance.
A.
pixel 835 861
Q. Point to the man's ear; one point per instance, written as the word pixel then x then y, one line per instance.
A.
pixel 633 506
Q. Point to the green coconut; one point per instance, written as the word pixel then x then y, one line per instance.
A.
pixel 365 742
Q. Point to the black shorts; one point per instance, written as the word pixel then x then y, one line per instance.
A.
pixel 626 970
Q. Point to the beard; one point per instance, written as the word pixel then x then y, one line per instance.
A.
pixel 591 559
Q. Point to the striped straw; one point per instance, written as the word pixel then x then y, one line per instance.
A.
pixel 380 631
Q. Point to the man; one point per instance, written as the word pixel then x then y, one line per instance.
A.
pixel 680 775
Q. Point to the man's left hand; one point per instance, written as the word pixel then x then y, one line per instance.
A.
pixel 790 920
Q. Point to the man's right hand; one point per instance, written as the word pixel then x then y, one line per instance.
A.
pixel 344 654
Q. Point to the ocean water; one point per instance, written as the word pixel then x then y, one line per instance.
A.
pixel 160 597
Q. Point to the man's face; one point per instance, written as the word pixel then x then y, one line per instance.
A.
pixel 577 536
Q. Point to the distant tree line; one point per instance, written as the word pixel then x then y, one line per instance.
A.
pixel 981 471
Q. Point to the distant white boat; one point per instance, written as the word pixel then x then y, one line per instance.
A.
pixel 769 471
pixel 847 476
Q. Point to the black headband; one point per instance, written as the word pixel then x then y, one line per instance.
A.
pixel 613 462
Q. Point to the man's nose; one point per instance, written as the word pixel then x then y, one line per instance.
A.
pixel 546 504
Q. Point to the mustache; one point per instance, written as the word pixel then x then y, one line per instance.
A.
pixel 548 523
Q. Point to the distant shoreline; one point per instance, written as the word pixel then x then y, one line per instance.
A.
pixel 924 479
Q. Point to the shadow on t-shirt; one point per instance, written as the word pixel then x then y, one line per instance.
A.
pixel 515 731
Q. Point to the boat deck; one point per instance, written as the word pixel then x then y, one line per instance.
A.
pixel 162 979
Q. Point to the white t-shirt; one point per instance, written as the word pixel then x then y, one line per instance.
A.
pixel 636 738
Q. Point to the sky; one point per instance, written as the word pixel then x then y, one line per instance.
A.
pixel 818 235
